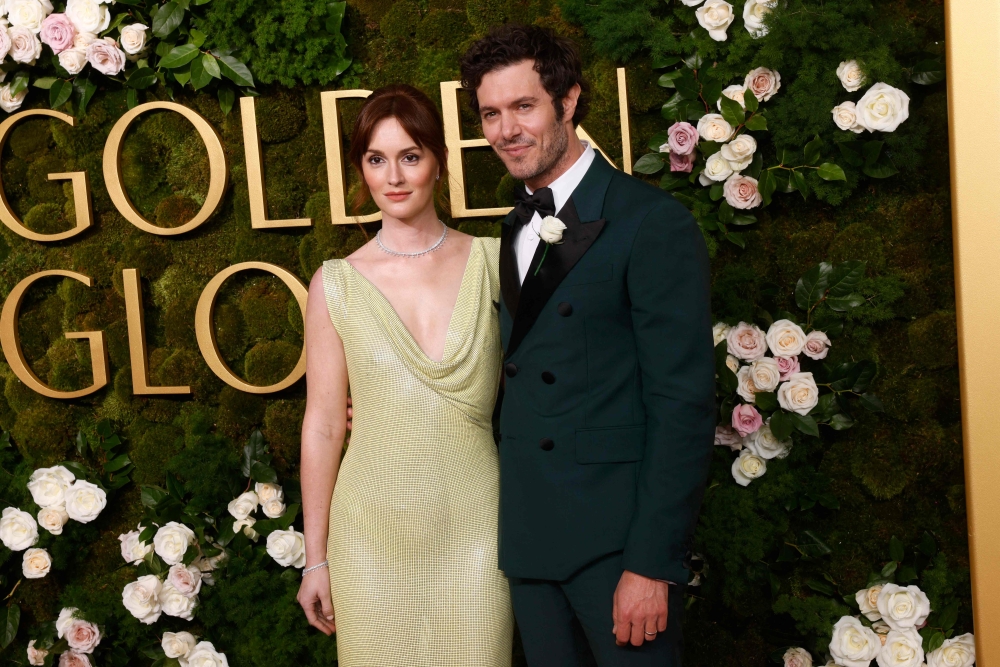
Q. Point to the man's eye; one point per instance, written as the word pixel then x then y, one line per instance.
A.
pixel 525 106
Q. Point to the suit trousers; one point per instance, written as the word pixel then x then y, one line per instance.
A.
pixel 545 611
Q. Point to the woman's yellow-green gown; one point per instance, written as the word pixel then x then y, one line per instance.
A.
pixel 413 521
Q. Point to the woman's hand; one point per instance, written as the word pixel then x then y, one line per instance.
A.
pixel 314 596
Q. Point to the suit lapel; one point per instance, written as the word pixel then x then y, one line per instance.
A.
pixel 510 282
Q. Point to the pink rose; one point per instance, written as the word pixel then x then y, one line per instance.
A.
pixel 105 56
pixel 58 32
pixel 682 163
pixel 727 437
pixel 746 419
pixel 763 83
pixel 187 580
pixel 73 659
pixel 682 138
pixel 817 345
pixel 741 192
pixel 36 656
pixel 83 636
pixel 787 366
pixel 746 341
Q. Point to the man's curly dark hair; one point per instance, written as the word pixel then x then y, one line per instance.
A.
pixel 556 61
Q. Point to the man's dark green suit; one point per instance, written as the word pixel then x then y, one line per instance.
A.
pixel 607 422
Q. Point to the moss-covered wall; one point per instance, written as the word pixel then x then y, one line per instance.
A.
pixel 898 474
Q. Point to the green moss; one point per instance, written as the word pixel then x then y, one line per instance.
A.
pixel 66 373
pixel 230 331
pixel 881 464
pixel 17 394
pixel 175 210
pixel 484 14
pixel 442 29
pixel 187 170
pixel 185 367
pixel 268 362
pixel 151 451
pixel 506 188
pixel 283 428
pixel 264 306
pixel 280 115
pixel 859 241
pixel 295 319
pixel 934 340
pixel 86 135
pixel 400 22
pixel 43 432
pixel 47 218
pixel 239 412
pixel 39 185
pixel 30 138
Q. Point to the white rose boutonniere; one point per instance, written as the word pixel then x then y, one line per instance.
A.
pixel 955 652
pixel 713 127
pixel 133 551
pixel 719 332
pixel 763 443
pixel 266 491
pixel 551 232
pixel 36 656
pixel 852 644
pixel 785 338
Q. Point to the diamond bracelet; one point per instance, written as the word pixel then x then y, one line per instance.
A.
pixel 314 567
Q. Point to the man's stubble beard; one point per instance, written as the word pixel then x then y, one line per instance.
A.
pixel 547 159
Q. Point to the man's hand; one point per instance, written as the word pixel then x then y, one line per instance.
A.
pixel 640 609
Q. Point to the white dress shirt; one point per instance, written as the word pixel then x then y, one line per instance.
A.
pixel 526 241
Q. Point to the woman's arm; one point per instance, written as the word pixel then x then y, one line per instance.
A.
pixel 323 428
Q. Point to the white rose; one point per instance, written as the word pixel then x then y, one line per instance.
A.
pixel 4 41
pixel 903 608
pixel 36 656
pixel 719 332
pixel 266 491
pixel 133 38
pixel 735 93
pixel 901 649
pixel 73 60
pixel 36 563
pixel 765 374
pixel 796 657
pixel 244 505
pixel 850 75
pixel 817 345
pixel 739 152
pixel 25 47
pixel 763 443
pixel 853 645
pixel 799 394
pixel 754 12
pixel 551 230
pixel 141 598
pixel 185 580
pixel 732 363
pixel 172 541
pixel 105 56
pixel 83 39
pixel 246 525
pixel 53 519
pixel 748 467
pixel 763 82
pixel 84 501
pixel 28 13
pixel 83 636
pixel 287 548
pixel 785 338
pixel 134 551
pixel 846 118
pixel 717 168
pixel 958 651
pixel 174 603
pixel 867 599
pixel 273 508
pixel 177 644
pixel 88 16
pixel 18 529
pixel 728 437
pixel 883 108
pixel 65 620
pixel 715 16
pixel 205 655
pixel 746 341
pixel 692 3
pixel 745 386
pixel 48 485
pixel 713 127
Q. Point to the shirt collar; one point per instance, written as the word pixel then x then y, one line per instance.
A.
pixel 564 186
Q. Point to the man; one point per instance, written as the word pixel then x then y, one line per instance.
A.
pixel 608 415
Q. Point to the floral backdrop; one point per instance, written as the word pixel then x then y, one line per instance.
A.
pixel 808 139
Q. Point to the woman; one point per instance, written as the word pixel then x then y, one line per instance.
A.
pixel 401 553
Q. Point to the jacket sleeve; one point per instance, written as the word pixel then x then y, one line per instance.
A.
pixel 668 285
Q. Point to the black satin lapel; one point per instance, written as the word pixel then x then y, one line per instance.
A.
pixel 510 283
pixel 561 258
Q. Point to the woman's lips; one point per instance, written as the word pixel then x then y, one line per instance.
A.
pixel 397 196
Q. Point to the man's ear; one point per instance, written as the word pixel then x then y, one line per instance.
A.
pixel 569 101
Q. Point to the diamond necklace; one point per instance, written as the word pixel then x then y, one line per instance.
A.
pixel 378 240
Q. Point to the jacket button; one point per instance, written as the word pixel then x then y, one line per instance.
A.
pixel 548 378
pixel 565 309
pixel 547 444
pixel 510 369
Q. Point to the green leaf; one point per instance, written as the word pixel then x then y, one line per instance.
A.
pixel 179 56
pixel 667 79
pixel 830 171
pixel 144 77
pixel 199 76
pixel 211 65
pixel 736 238
pixel 800 183
pixel 811 150
pixel 659 62
pixel 78 470
pixel 117 21
pixel 927 545
pixel 805 424
pixel 766 186
pixel 152 496
pixel 934 642
pixel 812 286
pixel 260 472
pixel 949 615
pixel 132 98
pixel 871 151
pixel 19 83
pixel 117 463
pixel 167 19
pixel 813 545
pixel 861 376
pixel 726 213
pixel 335 17
pixel 766 400
pixel 883 168
pixel 845 303
pixel 196 37
pixel 928 72
pixel 750 100
pixel 11 621
pixel 821 587
pixel 732 111
pixel 716 192
pixel 45 82
pixel 59 93
pixel 782 425
pixel 670 108
pixel 650 163
pixel 658 140
pixel 756 123
pixel 846 276
pixel 181 75
pixel 872 403
pixel 841 422
pixel 672 181
pixel 744 219
pixel 235 71
pixel 889 569
pixel 851 153
pixel 226 99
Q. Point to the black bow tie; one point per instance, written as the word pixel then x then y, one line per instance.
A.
pixel 526 205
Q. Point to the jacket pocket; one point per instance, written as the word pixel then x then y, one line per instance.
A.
pixel 610 445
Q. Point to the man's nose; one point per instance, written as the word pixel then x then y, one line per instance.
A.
pixel 509 127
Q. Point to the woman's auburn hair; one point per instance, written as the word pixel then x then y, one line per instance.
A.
pixel 418 116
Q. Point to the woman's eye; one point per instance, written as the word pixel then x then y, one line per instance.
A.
pixel 374 160
pixel 410 159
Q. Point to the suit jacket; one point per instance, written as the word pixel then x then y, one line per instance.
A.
pixel 607 423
